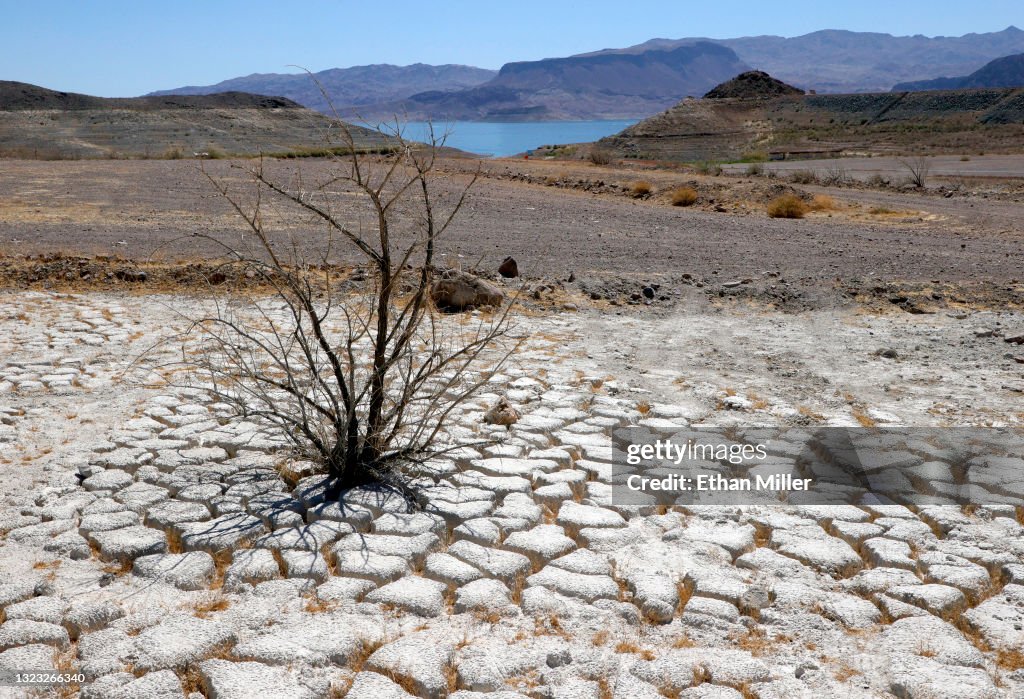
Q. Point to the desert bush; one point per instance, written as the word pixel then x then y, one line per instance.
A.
pixel 755 169
pixel 708 167
pixel 918 168
pixel 803 177
pixel 823 202
pixel 787 206
pixel 641 189
pixel 361 382
pixel 834 177
pixel 877 180
pixel 600 156
pixel 174 154
pixel 684 196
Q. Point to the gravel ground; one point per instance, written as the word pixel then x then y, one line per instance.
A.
pixel 152 545
pixel 153 209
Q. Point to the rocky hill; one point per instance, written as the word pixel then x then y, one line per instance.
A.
pixel 1002 72
pixel 39 123
pixel 349 88
pixel 754 84
pixel 796 126
pixel 842 61
pixel 607 86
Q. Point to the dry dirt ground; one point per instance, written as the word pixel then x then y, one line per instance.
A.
pixel 156 547
pixel 562 218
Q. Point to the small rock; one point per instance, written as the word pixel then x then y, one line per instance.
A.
pixel 502 413
pixel 509 268
pixel 459 291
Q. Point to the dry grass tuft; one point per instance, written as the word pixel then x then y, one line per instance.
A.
pixel 787 206
pixel 600 638
pixel 486 616
pixel 845 672
pixel 683 641
pixel 1010 658
pixel 550 626
pixel 315 605
pixel 809 413
pixel 117 567
pixel 634 648
pixel 823 202
pixel 684 196
pixel 191 680
pixel 212 603
pixel 863 418
pixel 641 189
pixel 755 642
pixel 404 681
pixel 643 407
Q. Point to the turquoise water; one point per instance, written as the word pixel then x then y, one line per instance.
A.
pixel 498 139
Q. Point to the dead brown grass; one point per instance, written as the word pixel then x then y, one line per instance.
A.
pixel 683 641
pixel 823 202
pixel 1010 658
pixel 862 418
pixel 550 626
pixel 315 605
pixel 755 642
pixel 641 189
pixel 787 206
pixel 634 648
pixel 684 196
pixel 212 603
pixel 809 413
pixel 845 672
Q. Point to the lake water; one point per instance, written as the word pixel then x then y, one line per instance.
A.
pixel 498 139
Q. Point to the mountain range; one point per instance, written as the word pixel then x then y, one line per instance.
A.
pixel 1007 71
pixel 839 61
pixel 636 81
pixel 613 86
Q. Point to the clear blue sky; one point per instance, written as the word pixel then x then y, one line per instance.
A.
pixel 122 48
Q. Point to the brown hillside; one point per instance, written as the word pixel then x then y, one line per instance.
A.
pixel 794 126
pixel 39 123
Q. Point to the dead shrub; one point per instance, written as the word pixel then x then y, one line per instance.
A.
pixel 803 177
pixel 787 206
pixel 641 189
pixel 360 383
pixel 823 202
pixel 684 196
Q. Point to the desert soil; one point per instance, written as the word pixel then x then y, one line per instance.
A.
pixel 542 214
